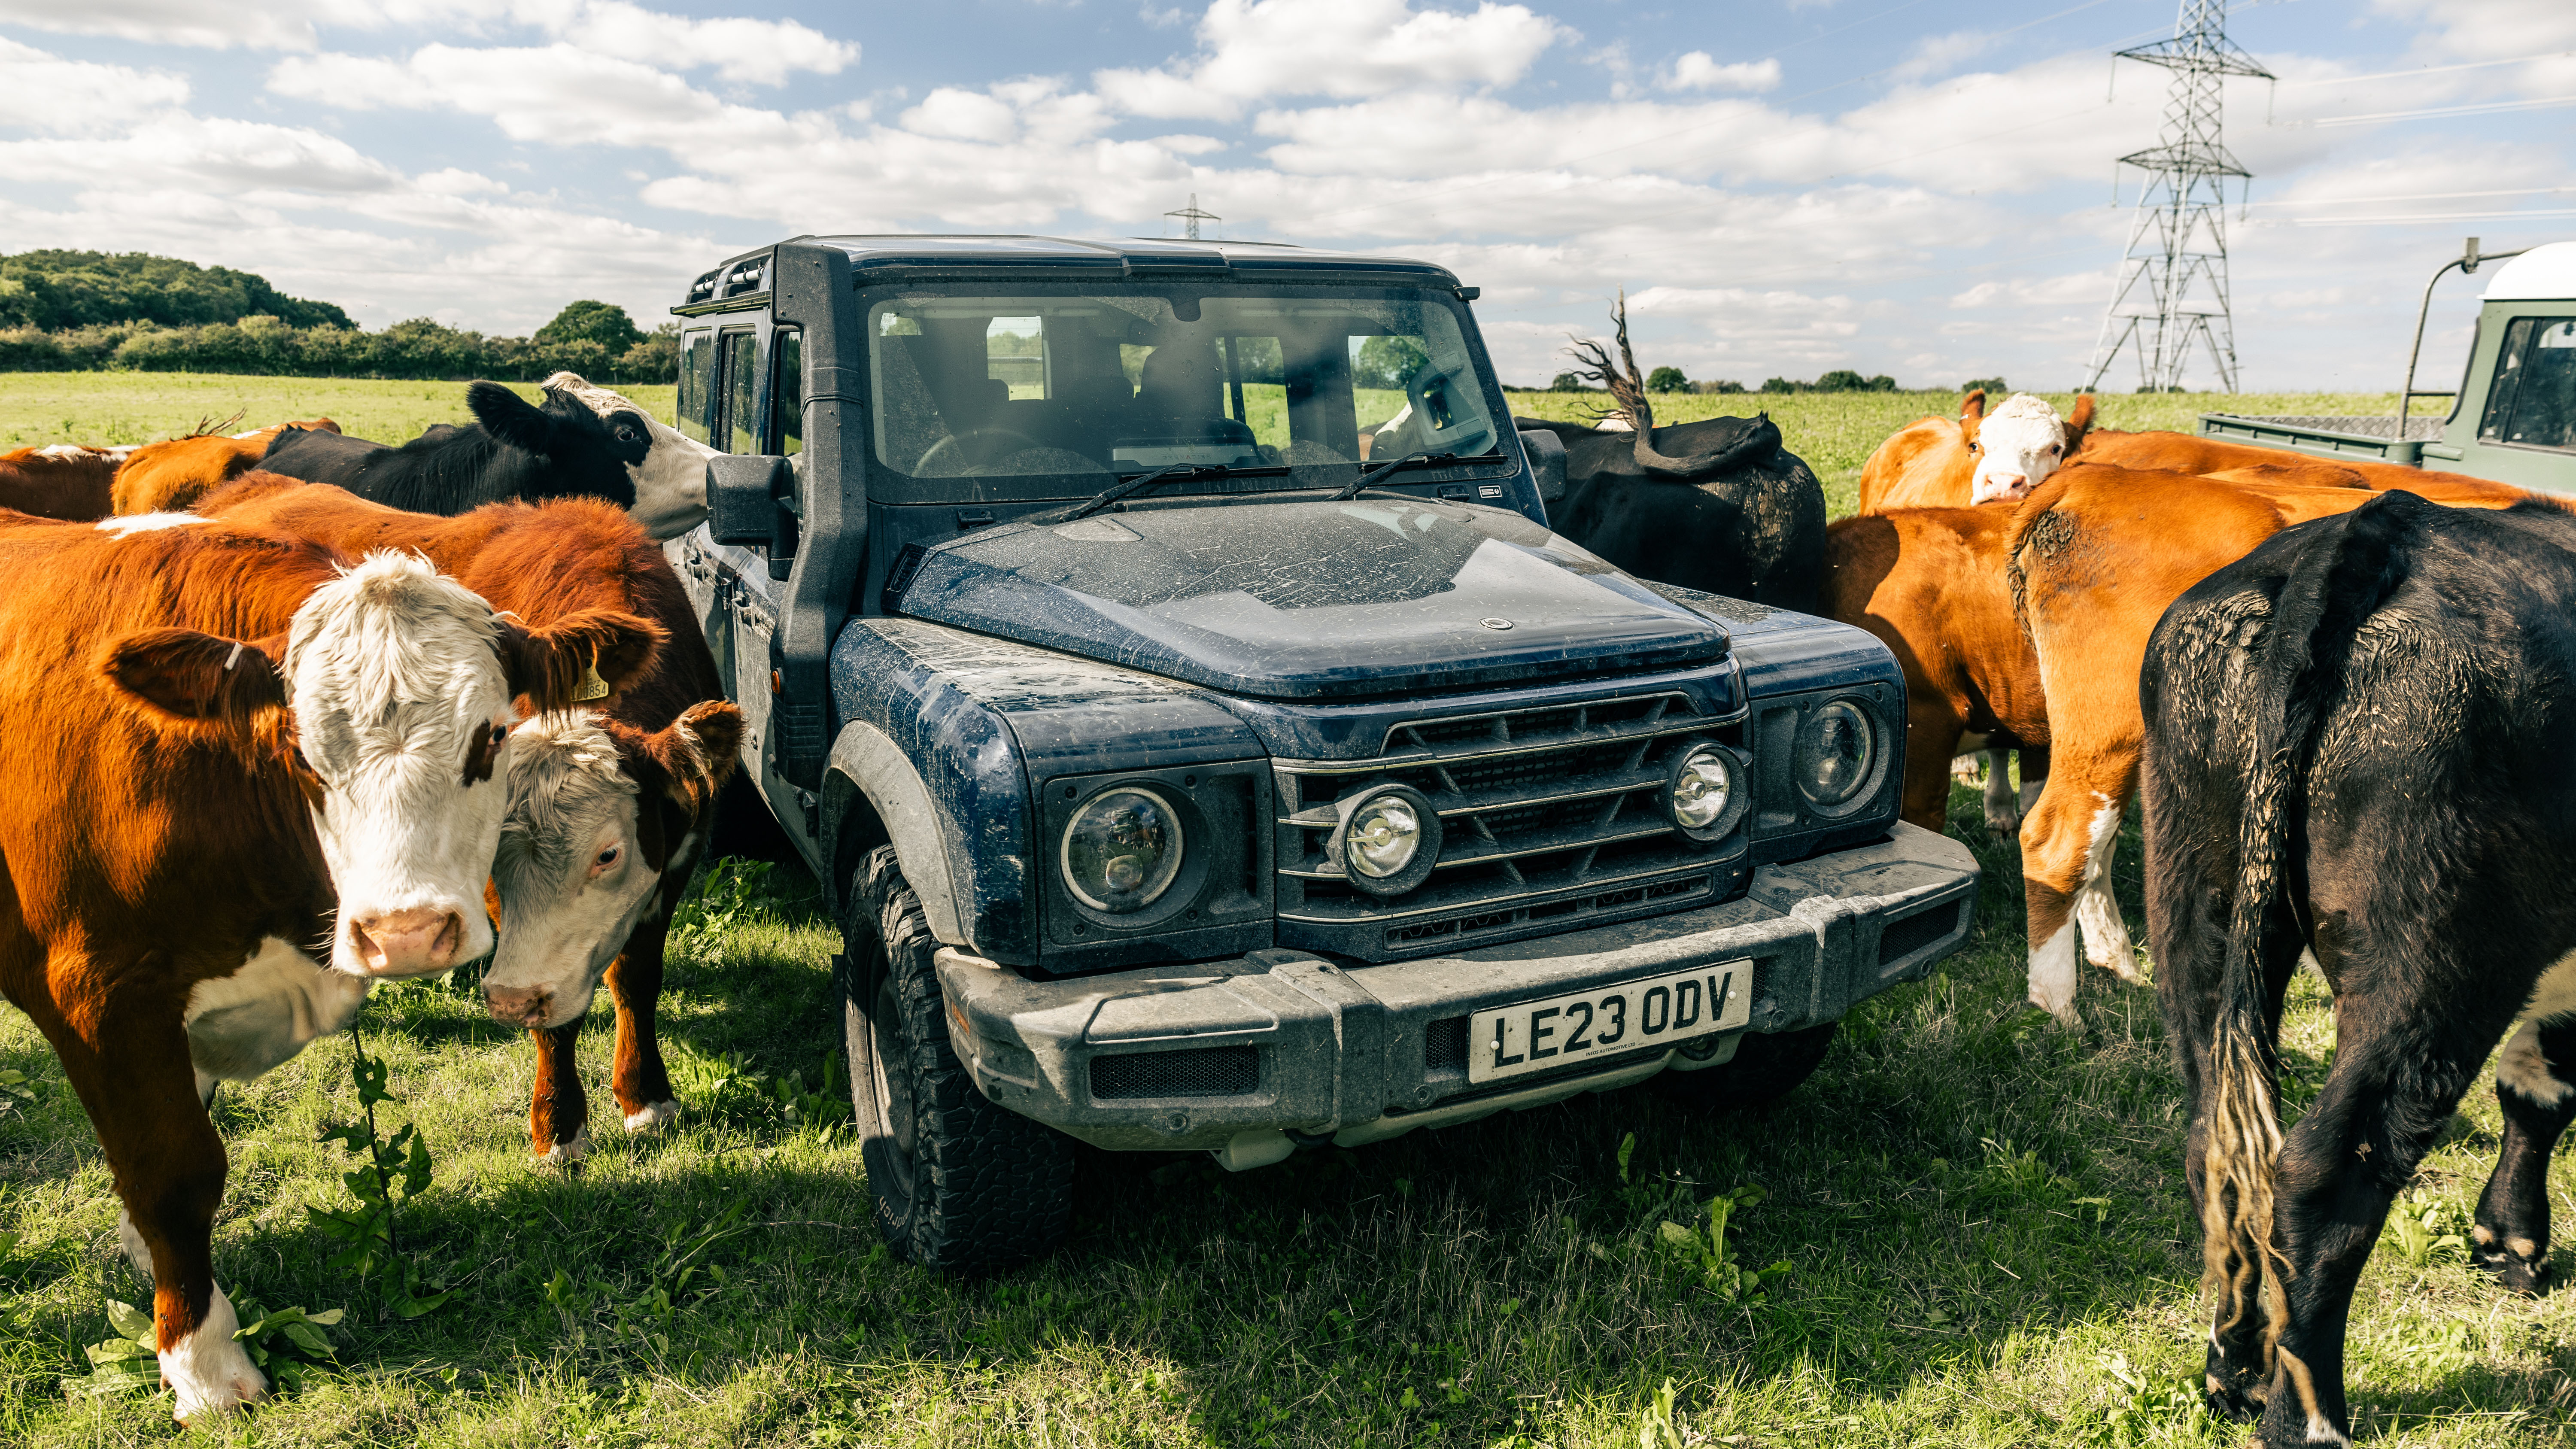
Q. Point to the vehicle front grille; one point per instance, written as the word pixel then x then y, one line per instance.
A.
pixel 1552 819
pixel 1901 938
pixel 1226 1071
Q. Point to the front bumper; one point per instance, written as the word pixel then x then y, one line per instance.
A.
pixel 1244 1055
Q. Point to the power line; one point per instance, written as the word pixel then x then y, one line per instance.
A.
pixel 2418 196
pixel 2441 216
pixel 2338 80
pixel 2486 108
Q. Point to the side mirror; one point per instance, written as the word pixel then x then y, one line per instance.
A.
pixel 743 493
pixel 1547 464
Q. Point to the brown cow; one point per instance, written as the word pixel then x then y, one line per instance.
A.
pixel 2097 554
pixel 609 807
pixel 60 482
pixel 1931 584
pixel 170 476
pixel 246 778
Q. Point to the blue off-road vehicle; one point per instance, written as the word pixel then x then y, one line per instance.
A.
pixel 1159 651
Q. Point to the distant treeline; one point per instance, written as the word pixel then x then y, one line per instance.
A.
pixel 64 311
pixel 420 349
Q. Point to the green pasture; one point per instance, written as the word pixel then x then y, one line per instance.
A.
pixel 1982 1214
pixel 110 408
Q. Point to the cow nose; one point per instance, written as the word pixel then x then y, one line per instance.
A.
pixel 407 942
pixel 526 1006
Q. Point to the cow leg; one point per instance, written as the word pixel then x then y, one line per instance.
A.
pixel 2034 775
pixel 2078 809
pixel 643 1087
pixel 2191 881
pixel 169 1170
pixel 2401 1064
pixel 2536 1087
pixel 2097 909
pixel 1932 732
pixel 558 1112
pixel 2003 810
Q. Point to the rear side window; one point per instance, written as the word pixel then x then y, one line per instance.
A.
pixel 697 382
pixel 787 390
pixel 737 427
pixel 2532 403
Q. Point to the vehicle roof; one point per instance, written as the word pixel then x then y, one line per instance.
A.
pixel 1082 259
pixel 2546 273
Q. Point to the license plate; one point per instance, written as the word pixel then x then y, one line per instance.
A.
pixel 1541 1036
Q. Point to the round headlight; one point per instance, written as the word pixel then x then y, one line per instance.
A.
pixel 1836 751
pixel 1706 795
pixel 1122 849
pixel 1385 835
pixel 1390 840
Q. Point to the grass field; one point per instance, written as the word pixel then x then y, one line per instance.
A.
pixel 1982 1213
pixel 37 408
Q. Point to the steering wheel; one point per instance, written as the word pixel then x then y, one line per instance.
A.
pixel 974 448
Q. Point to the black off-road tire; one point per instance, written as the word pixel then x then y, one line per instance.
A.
pixel 1766 1067
pixel 959 1184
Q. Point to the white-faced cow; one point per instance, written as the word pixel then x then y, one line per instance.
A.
pixel 246 778
pixel 567 448
pixel 2358 743
pixel 609 806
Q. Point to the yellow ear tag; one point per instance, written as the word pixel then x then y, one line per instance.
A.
pixel 592 686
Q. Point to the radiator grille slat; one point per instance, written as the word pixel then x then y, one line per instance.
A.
pixel 1226 1071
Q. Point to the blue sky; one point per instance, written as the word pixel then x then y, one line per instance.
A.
pixel 1781 188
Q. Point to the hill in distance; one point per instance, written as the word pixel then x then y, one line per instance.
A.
pixel 56 290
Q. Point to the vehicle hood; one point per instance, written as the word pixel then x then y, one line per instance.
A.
pixel 1309 599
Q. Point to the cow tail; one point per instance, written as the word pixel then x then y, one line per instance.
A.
pixel 2330 592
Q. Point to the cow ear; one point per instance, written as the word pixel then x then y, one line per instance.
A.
pixel 697 752
pixel 508 417
pixel 181 674
pixel 1972 414
pixel 580 658
pixel 2078 423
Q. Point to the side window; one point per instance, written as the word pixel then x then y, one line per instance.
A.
pixel 737 428
pixel 697 382
pixel 2532 401
pixel 787 390
pixel 1015 356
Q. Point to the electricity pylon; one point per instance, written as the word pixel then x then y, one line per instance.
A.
pixel 1191 216
pixel 2173 278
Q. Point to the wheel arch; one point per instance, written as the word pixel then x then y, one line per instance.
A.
pixel 873 795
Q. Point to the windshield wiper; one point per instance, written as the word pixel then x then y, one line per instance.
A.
pixel 1128 487
pixel 1381 470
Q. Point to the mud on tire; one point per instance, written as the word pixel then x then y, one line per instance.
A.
pixel 1766 1067
pixel 958 1184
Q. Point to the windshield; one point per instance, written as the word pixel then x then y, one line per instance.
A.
pixel 1060 393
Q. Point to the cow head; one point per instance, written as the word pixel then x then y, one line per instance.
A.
pixel 572 452
pixel 671 481
pixel 2019 444
pixel 391 697
pixel 600 816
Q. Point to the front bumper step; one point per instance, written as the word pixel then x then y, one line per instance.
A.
pixel 1204 1054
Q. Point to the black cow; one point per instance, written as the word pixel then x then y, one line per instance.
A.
pixel 514 451
pixel 1717 505
pixel 2361 739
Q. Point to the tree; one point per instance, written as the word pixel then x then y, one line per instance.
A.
pixel 1991 385
pixel 1567 382
pixel 1667 379
pixel 1387 362
pixel 1726 384
pixel 602 322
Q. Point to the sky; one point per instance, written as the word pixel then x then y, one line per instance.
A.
pixel 1896 186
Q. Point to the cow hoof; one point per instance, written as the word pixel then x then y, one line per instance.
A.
pixel 653 1116
pixel 2514 1272
pixel 2124 964
pixel 1968 770
pixel 2062 1012
pixel 2232 1405
pixel 567 1154
pixel 210 1373
pixel 2004 824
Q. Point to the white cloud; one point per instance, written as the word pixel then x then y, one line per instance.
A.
pixel 1251 50
pixel 1698 71
pixel 764 51
pixel 286 25
pixel 47 93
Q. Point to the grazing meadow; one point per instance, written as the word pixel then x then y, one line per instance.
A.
pixel 1979 1216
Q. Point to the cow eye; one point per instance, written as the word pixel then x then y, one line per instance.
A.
pixel 500 735
pixel 1976 447
pixel 607 858
pixel 2053 449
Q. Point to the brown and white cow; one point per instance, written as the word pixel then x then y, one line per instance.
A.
pixel 245 778
pixel 168 476
pixel 609 804
pixel 60 481
pixel 1977 457
pixel 2096 556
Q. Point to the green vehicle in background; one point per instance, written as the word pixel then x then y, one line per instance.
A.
pixel 2514 417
